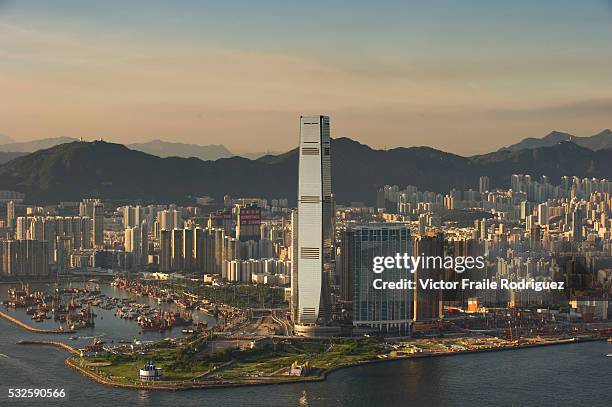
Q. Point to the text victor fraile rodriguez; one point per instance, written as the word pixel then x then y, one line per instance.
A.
pixel 458 264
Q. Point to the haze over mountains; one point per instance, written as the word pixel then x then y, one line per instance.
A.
pixel 163 149
pixel 34 145
pixel 159 148
pixel 5 139
pixel 599 141
pixel 75 170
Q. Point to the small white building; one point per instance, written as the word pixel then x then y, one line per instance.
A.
pixel 150 372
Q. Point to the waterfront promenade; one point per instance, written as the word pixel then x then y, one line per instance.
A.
pixel 76 364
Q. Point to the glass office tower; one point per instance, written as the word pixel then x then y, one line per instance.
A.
pixel 314 224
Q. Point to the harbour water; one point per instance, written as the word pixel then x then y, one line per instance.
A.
pixel 565 375
pixel 108 326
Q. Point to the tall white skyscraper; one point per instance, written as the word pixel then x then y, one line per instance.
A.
pixel 314 224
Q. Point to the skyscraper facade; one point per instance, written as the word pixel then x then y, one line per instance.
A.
pixel 314 232
pixel 10 215
pixel 98 225
pixel 484 184
pixel 427 303
pixel 379 310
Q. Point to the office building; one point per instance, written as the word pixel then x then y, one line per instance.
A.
pixel 427 303
pixel 314 230
pixel 248 223
pixel 385 311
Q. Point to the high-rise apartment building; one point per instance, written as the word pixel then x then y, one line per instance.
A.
pixel 170 219
pixel 177 249
pixel 93 209
pixel 98 225
pixel 314 230
pixel 484 184
pixel 144 242
pixel 132 216
pixel 10 214
pixel 24 258
pixel 165 250
pixel 189 258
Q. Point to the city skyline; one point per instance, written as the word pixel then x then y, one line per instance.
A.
pixel 271 293
pixel 177 220
pixel 457 78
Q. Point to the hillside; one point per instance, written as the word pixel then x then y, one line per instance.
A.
pixel 80 169
pixel 599 141
pixel 8 156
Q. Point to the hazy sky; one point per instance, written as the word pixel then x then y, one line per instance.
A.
pixel 462 76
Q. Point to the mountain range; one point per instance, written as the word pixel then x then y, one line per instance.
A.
pixel 599 141
pixel 164 149
pixel 75 170
pixel 159 148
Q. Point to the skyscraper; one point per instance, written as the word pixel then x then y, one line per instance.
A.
pixel 177 249
pixel 98 225
pixel 483 184
pixel 188 249
pixel 144 242
pixel 87 209
pixel 379 310
pixel 315 234
pixel 248 223
pixel 427 303
pixel 10 215
pixel 165 250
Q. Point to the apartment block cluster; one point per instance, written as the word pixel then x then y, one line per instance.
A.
pixel 533 229
pixel 233 244
pixel 37 243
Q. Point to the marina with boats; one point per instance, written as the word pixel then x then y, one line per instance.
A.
pixel 81 305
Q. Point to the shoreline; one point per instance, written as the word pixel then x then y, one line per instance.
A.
pixel 194 385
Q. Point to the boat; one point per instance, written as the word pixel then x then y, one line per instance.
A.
pixel 609 355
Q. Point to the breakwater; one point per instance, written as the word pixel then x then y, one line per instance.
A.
pixel 29 327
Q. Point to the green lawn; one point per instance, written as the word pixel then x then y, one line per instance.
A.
pixel 187 361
